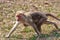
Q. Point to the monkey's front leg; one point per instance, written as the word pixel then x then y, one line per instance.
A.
pixel 40 22
pixel 12 30
pixel 34 26
pixel 36 29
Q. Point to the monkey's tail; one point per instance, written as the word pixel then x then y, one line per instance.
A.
pixel 52 16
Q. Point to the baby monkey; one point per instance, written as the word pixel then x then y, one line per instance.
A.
pixel 34 19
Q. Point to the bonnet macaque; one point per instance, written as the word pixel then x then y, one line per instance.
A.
pixel 34 19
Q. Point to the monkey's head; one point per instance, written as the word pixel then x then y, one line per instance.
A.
pixel 19 15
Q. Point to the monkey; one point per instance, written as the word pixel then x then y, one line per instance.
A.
pixel 34 19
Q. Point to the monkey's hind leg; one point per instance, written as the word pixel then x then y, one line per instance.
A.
pixel 48 22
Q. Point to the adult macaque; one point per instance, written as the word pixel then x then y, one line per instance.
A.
pixel 34 19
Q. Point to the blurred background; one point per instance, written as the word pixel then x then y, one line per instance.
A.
pixel 7 18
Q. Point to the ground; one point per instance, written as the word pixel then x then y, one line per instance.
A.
pixel 7 19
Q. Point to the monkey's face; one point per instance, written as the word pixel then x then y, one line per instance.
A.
pixel 19 17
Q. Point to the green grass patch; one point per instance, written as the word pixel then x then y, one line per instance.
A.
pixel 27 30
